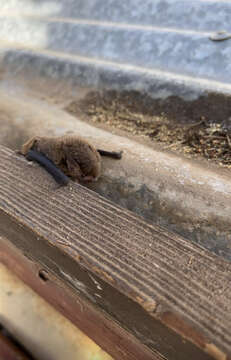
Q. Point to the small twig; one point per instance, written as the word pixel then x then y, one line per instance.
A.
pixel 229 141
pixel 173 144
pixel 215 137
pixel 196 124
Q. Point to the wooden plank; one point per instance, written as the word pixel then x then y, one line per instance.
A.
pixel 171 295
pixel 9 351
pixel 113 338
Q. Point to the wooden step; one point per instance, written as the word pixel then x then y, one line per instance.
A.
pixel 137 290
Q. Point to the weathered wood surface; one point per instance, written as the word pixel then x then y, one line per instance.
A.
pixel 167 293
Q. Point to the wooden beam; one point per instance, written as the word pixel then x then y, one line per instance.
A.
pixel 128 285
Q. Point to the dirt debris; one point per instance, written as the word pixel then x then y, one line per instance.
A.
pixel 204 137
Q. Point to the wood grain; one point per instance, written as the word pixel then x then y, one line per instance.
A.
pixel 157 285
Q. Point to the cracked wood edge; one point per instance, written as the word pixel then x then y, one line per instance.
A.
pixel 183 289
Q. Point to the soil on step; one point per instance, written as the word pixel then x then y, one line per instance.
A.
pixel 200 135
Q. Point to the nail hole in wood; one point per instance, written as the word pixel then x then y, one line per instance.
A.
pixel 43 274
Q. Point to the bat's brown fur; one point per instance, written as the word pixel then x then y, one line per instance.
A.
pixel 72 154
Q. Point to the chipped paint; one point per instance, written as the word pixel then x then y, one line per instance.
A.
pixel 79 286
pixel 98 286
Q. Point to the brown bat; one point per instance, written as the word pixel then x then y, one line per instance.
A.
pixel 70 153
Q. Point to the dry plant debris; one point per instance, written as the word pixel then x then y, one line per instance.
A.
pixel 205 138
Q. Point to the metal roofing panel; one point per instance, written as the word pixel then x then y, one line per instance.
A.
pixel 158 47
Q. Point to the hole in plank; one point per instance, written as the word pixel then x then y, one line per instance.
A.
pixel 43 274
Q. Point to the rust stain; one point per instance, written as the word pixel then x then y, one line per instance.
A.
pixel 182 328
pixel 103 274
pixel 66 245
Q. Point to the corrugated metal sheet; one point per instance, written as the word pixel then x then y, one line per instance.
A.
pixel 154 46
